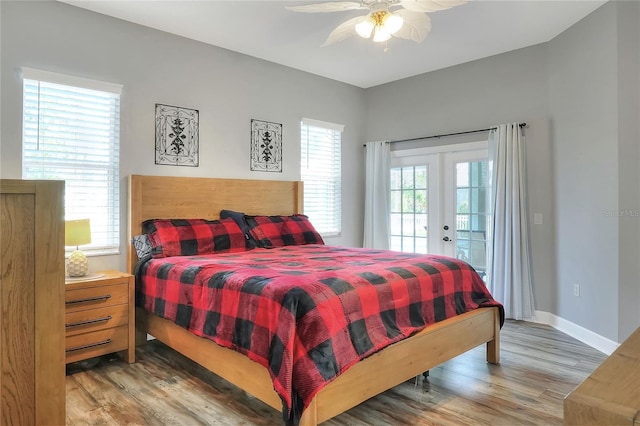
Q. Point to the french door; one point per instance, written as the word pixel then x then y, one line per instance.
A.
pixel 439 202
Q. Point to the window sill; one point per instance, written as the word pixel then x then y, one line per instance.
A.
pixel 334 235
pixel 96 252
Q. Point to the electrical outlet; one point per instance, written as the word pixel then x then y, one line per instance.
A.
pixel 576 290
pixel 537 218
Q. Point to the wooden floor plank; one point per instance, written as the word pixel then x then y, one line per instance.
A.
pixel 539 366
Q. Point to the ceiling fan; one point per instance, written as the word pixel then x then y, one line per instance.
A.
pixel 410 21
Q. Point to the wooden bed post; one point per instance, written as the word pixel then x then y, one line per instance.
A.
pixel 133 219
pixel 493 346
pixel 299 195
pixel 310 415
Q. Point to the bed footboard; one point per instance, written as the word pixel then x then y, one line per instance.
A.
pixel 406 359
pixel 388 368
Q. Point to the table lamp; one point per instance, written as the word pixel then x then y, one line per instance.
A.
pixel 77 233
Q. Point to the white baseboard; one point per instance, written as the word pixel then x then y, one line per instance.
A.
pixel 588 337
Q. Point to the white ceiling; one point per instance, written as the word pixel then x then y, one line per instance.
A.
pixel 264 29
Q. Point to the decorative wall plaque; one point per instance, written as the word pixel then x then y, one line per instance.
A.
pixel 177 140
pixel 266 146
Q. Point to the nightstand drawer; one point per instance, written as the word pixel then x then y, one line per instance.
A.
pixel 96 319
pixel 94 297
pixel 89 345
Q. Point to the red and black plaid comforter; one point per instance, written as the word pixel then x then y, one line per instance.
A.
pixel 308 313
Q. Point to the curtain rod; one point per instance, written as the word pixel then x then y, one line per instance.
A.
pixel 449 134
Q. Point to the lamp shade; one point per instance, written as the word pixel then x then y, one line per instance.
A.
pixel 77 232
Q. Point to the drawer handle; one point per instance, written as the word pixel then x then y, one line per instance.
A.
pixel 92 345
pixel 88 299
pixel 93 321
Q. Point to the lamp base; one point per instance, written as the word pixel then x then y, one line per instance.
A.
pixel 77 264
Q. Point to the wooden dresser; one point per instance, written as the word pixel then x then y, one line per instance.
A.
pixel 611 394
pixel 99 316
pixel 32 380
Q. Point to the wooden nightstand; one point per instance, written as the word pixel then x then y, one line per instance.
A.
pixel 99 316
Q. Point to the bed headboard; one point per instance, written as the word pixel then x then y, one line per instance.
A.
pixel 167 197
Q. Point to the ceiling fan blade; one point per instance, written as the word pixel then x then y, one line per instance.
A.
pixel 416 26
pixel 332 6
pixel 430 5
pixel 342 31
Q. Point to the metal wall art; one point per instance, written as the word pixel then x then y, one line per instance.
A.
pixel 177 141
pixel 266 146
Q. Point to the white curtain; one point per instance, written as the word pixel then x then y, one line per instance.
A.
pixel 509 278
pixel 376 199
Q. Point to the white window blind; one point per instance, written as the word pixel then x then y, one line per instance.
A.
pixel 71 132
pixel 321 173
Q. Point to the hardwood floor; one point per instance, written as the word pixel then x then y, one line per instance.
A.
pixel 539 366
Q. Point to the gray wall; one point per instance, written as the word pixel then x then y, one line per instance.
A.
pixel 228 88
pixel 629 165
pixel 593 101
pixel 579 95
pixel 583 106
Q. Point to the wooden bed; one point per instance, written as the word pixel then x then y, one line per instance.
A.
pixel 152 197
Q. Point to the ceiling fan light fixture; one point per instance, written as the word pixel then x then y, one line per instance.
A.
pixel 381 23
pixel 380 34
pixel 365 27
pixel 392 23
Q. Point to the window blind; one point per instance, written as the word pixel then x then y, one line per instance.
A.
pixel 71 132
pixel 321 173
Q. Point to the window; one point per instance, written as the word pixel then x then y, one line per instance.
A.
pixel 71 132
pixel 320 171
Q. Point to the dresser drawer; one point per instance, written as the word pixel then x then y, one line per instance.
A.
pixel 94 297
pixel 96 319
pixel 89 345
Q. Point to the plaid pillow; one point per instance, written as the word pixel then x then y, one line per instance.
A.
pixel 278 231
pixel 239 218
pixel 189 237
